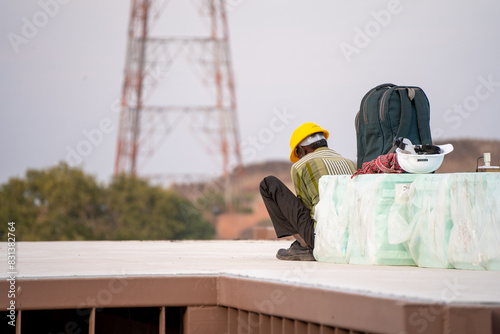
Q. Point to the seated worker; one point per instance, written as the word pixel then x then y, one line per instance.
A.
pixel 293 215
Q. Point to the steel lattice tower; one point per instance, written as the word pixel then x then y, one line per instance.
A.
pixel 144 127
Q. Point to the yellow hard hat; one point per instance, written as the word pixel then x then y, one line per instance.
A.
pixel 301 133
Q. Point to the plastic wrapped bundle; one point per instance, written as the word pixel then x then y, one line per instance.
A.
pixel 475 236
pixel 420 219
pixel 368 214
pixel 352 220
pixel 432 220
pixel 331 228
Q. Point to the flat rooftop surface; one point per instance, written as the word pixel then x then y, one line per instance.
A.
pixel 253 260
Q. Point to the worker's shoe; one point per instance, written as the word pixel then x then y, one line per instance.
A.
pixel 296 253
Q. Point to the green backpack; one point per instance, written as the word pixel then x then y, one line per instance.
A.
pixel 387 112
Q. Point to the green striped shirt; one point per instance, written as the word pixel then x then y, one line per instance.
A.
pixel 307 171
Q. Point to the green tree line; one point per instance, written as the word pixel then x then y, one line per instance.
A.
pixel 64 203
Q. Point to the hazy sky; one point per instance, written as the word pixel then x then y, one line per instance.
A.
pixel 294 61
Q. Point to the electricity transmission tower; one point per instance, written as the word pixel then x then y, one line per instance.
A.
pixel 145 126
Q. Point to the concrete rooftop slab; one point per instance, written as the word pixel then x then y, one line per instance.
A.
pixel 253 260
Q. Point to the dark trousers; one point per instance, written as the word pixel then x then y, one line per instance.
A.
pixel 288 213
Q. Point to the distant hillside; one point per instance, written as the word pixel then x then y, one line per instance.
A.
pixel 248 182
pixel 465 154
pixel 253 174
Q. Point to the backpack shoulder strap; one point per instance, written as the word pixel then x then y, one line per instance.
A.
pixel 406 111
pixel 422 108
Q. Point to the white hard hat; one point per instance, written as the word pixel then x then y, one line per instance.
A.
pixel 413 162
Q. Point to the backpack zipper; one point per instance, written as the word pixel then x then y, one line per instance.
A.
pixel 365 116
pixel 382 105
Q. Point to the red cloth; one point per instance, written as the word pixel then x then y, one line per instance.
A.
pixel 387 163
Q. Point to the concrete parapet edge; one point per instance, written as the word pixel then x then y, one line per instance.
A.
pixel 316 305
